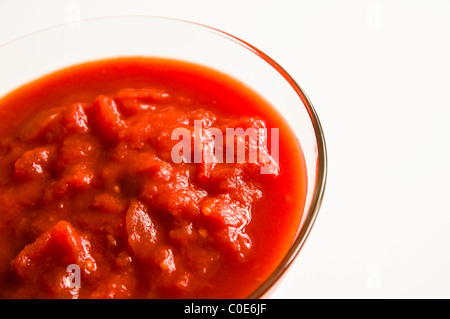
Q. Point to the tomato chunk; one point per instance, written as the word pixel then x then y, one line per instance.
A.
pixel 142 233
pixel 75 119
pixel 62 245
pixel 222 212
pixel 179 196
pixel 33 164
pixel 107 118
pixel 42 124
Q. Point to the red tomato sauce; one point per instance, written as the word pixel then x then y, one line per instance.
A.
pixel 87 179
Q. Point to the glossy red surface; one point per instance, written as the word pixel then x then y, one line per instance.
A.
pixel 88 179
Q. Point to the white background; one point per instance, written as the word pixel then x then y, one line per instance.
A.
pixel 378 74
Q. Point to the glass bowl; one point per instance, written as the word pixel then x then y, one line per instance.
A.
pixel 40 53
